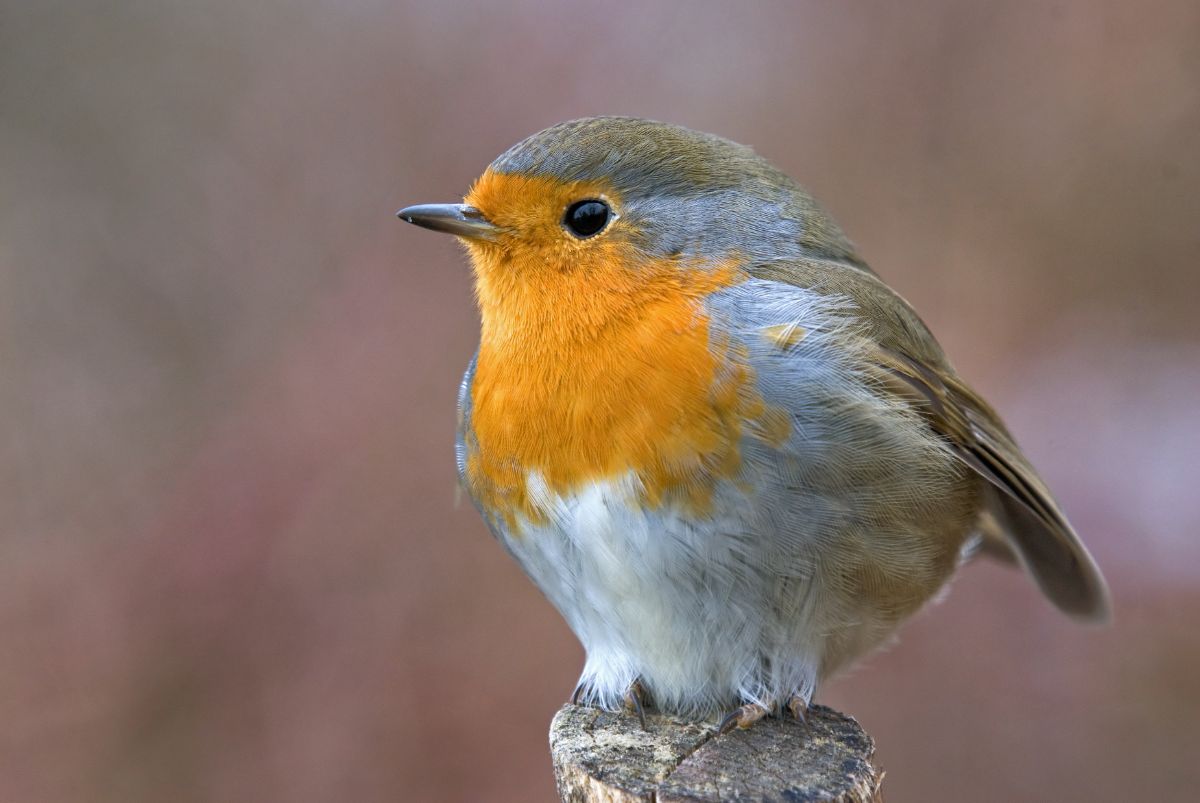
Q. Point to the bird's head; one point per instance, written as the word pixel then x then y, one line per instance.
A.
pixel 627 191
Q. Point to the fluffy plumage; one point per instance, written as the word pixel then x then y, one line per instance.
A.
pixel 730 456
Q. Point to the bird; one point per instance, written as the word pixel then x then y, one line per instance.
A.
pixel 730 455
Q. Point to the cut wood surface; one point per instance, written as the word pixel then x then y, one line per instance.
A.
pixel 605 757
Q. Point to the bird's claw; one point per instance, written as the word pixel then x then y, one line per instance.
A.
pixel 742 717
pixel 797 706
pixel 635 698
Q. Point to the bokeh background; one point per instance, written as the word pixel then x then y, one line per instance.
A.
pixel 233 562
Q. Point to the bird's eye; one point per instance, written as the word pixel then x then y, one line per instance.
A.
pixel 585 218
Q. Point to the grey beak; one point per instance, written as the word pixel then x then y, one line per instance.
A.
pixel 458 219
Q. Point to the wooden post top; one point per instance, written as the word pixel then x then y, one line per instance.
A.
pixel 605 757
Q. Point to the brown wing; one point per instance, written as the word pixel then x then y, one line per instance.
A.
pixel 1022 505
pixel 912 365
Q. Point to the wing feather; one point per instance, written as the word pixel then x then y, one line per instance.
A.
pixel 1028 516
pixel 910 365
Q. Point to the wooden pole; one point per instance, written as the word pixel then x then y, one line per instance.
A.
pixel 604 757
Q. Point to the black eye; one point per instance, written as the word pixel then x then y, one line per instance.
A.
pixel 585 218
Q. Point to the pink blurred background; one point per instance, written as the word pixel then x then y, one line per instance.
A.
pixel 233 562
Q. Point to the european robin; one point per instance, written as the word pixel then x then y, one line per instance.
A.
pixel 728 453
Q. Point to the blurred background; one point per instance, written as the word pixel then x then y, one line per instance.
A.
pixel 233 562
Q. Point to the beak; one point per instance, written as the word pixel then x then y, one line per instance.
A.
pixel 457 219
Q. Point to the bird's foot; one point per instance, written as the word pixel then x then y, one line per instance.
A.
pixel 743 717
pixel 747 714
pixel 797 706
pixel 635 701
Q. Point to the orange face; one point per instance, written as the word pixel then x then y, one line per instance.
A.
pixel 596 360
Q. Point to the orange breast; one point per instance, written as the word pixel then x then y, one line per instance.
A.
pixel 600 362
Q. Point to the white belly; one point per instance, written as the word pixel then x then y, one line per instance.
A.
pixel 690 608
